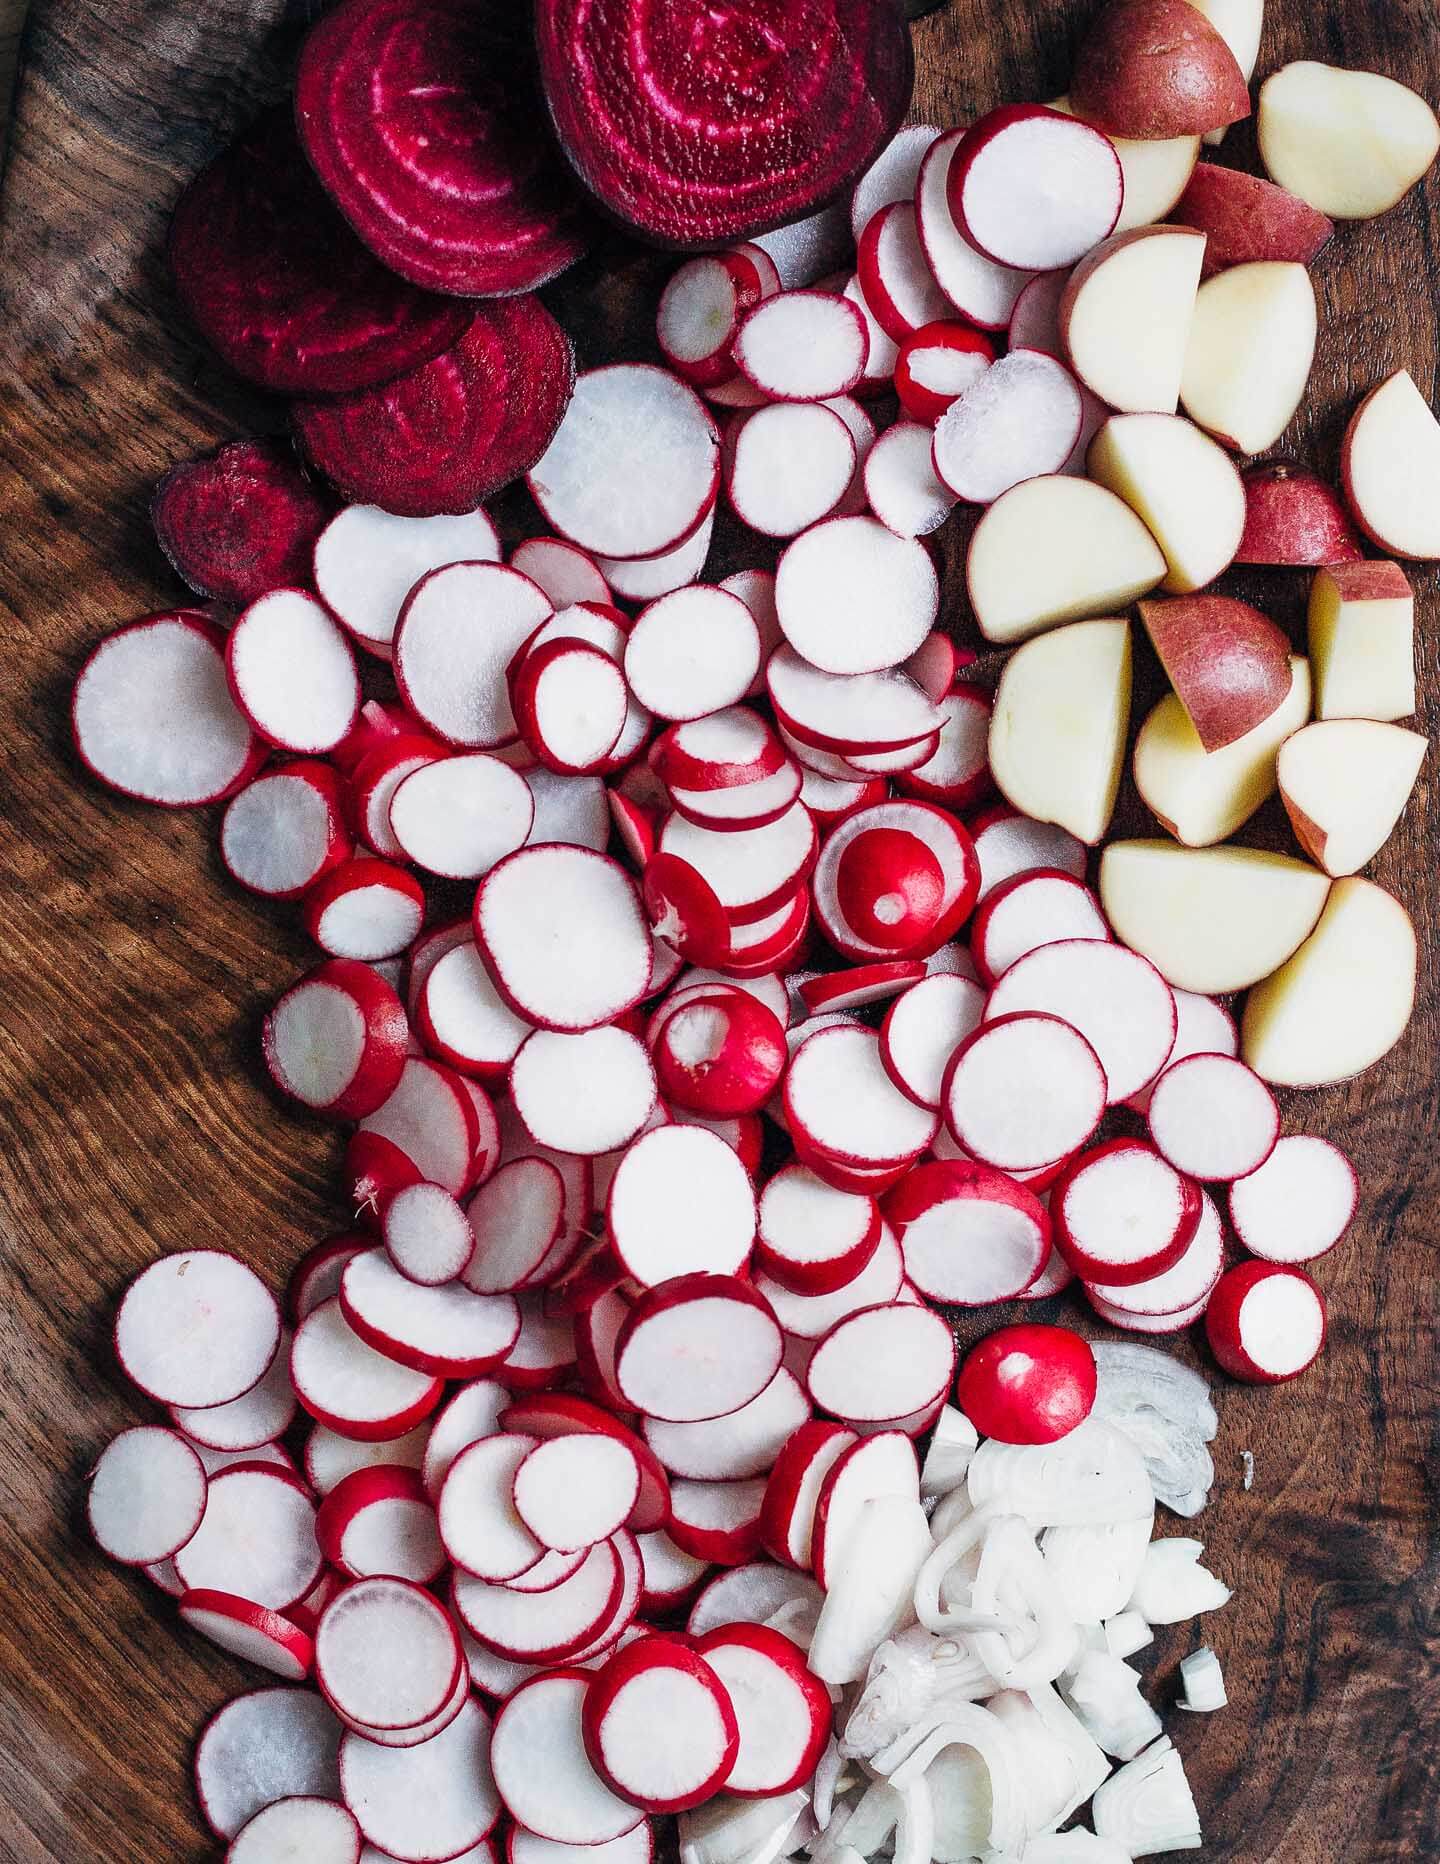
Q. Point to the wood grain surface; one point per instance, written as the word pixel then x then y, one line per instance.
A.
pixel 133 1119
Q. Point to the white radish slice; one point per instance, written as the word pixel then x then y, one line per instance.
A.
pixel 894 273
pixel 848 713
pixel 573 811
pixel 516 1218
pixel 597 624
pixel 1204 1027
pixel 977 287
pixel 146 1495
pixel 548 1573
pixel 1007 843
pixel 152 714
pixel 860 424
pixel 883 350
pixel 659 1725
pixel 787 1516
pixel 699 312
pixel 901 485
pixel 196 1328
pixel 329 1458
pixel 1116 999
pixel 1213 1118
pixel 957 771
pixel 1020 419
pixel 1034 189
pixel 881 1364
pixel 266 1745
pixel 1265 1323
pixel 574 1491
pixel 375 781
pixel 256 1417
pixel 892 175
pixel 852 597
pixel 733 1448
pixel 751 1594
pixel 813 1239
pixel 969 1235
pixel 352 1389
pixel 895 763
pixel 1123 1214
pixel 459 630
pixel 1053 1279
pixel 633 467
pixel 586 1093
pixel 802 346
pixel 537 1755
pixel 756 588
pixel 680 1203
pixel 364 909
pixel 692 652
pixel 1029 910
pixel 1035 321
pixel 839 1096
pixel 546 1626
pixel 1298 1204
pixel 952 960
pixel 478 1523
pixel 427 1802
pixel 473 1413
pixel 386 1654
pixel 741 805
pixel 380 1520
pixel 641 579
pixel 698 1346
pixel 635 1847
pixel 1183 1286
pixel 426 1234
pixel 458 816
pixel 782 1711
pixel 431 1118
pixel 450 1331
pixel 1023 1092
pixel 870 1470
pixel 250 1631
pixel 564 935
pixel 461 1015
pixel 552 1414
pixel 282 832
pixel 670 1575
pixel 314 1830
pixel 421 1732
pixel 808 1317
pixel 561 569
pixel 368 560
pixel 751 871
pixel 571 702
pixel 790 464
pixel 256 1539
pixel 292 672
pixel 575 1174
pixel 937 363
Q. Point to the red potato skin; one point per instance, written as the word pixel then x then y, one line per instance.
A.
pixel 1028 1384
pixel 1355 504
pixel 1154 69
pixel 1229 664
pixel 631 1662
pixel 1246 220
pixel 1293 519
pixel 782 1490
pixel 387 1036
pixel 1222 1321
pixel 1370 582
pixel 787 1656
pixel 1088 1267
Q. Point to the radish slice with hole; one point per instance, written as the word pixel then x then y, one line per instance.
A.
pixel 570 701
pixel 380 1520
pixel 431 1801
pixel 900 482
pixel 537 1756
pixel 314 1829
pixel 516 1218
pixel 146 1495
pixel 153 716
pixel 895 880
pixel 256 1417
pixel 1298 1204
pixel 977 287
pixel 892 175
pixel 461 1017
pixel 693 652
pixel 1203 1027
pixel 1023 1092
pixel 856 989
pixel 352 1389
pixel 700 311
pixel 957 771
pixel 1182 1287
pixel 809 1316
pixel 1265 1323
pixel 659 1727
pixel 1029 910
pixel 936 364
pixel 852 597
pixel 750 871
pixel 870 1470
pixel 368 560
pixel 574 1491
pixel 563 570
pixel 460 628
pixel 284 830
pixel 265 1745
pixel 1034 189
pixel 426 1234
pixel 812 1238
pixel 681 1204
pixel 788 466
pixel 881 1364
pixel 256 1539
pixel 895 274
pixel 564 937
pixel 739 1446
pixel 787 1515
pixel 721 1053
pixel 478 1523
pixel 458 816
pixel 365 909
pixel 802 346
pixel 1035 321
pixel 698 1346
pixel 196 1328
pixel 292 672
pixel 923 1029
pixel 450 1331
pixel 969 1235
pixel 782 1711
pixel 1007 843
pixel 249 1631
pixel 642 579
pixel 1116 999
pixel 838 1095
pixel 838 713
pixel 586 1093
pixel 1020 419
pixel 1123 1214
pixel 1213 1118
pixel 634 467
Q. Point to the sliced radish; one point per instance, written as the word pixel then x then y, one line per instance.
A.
pixel 923 1029
pixel 839 1096
pixel 1020 419
pixel 1023 1092
pixel 1116 999
pixel 761 947
pixel 812 1238
pixel 559 1414
pixel 1033 189
pixel 642 579
pixel 1298 1204
pixel 315 1829
pixel 458 816
pixel 1007 843
pixel 858 988
pixel 895 763
pixel 544 1351
pixel 693 652
pixel 570 702
pixel 256 1538
pixel 426 1234
pixel 671 1576
pixel 802 346
pixel 374 781
pixel 146 1495
pixel 1213 1118
pixel 435 1121
pixel 977 287
pixel 196 1328
pixel 741 804
pixel 352 1389
pixel 789 465
pixel 895 275
pixel 462 1017
pixel 735 1447
pixel 756 588
pixel 561 569
pixel 881 1364
pixel 478 1524
pixel 1053 1279
pixel 432 1801
pixel 450 1331
pixel 516 1218
pixel 563 934
pixel 698 1346
pixel 571 810
pixel 681 1203
pixel 336 1040
pixel 700 311
pixel 839 713
pixel 721 1053
pixel 1041 907
pixel 809 1316
pixel 880 357
pixel 541 1771
pixel 957 771
pixel 368 560
pixel 752 1594
pixel 969 1235
pixel 787 1515
pixel 936 364
pixel 1122 1214
pixel 250 1631
pixel 1203 1027
pixel 587 1093
pixel 1265 1322
pixel 286 829
pixel 870 1470
pixel 634 1847
pixel 547 1626
pixel 852 597
pixel 266 1745
pixel 685 909
pixel 1182 1287
pixel 573 1491
pixel 751 872
pixel 901 485
pixel 329 1458
pixel 471 1414
pixel 633 469
pixel 256 1417
pixel 459 630
pixel 895 880
pixel 381 1520
pixel 292 672
pixel 892 175
pixel 717 1521
pixel 782 1711
pixel 659 1727
pixel 366 909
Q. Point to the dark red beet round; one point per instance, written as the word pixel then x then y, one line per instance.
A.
pixel 1028 1384
pixel 450 434
pixel 696 124
pixel 281 288
pixel 240 522
pixel 423 120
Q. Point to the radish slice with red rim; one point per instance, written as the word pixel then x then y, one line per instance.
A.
pixel 736 1447
pixel 1053 1279
pixel 315 1829
pixel 574 1491
pixel 782 1711
pixel 461 1017
pixel 812 1238
pixel 698 1346
pixel 788 465
pixel 256 1417
pixel 421 1732
pixel 635 1847
pixel 1298 1204
pixel 1123 1214
pixel 459 630
pixel 878 1466
pixel 256 1538
pixel 1265 1322
pixel 896 763
pixel 152 714
pixel 977 287
pixel 266 1745
pixel 685 909
pixel 478 1524
pixel 750 871
pixel 700 311
pixel 892 175
pixel 458 816
pixel 936 364
pixel 1034 189
pixel 352 1389
pixel 642 579
pixel 196 1328
pixel 426 1234
pixel 1213 1118
pixel 751 1595
pixel 659 1684
pixel 969 1235
pixel 1182 1287
pixel 859 987
pixel 434 1800
pixel 692 652
pixel 586 1093
pixel 545 1627
pixel 671 1576
pixel 756 588
pixel 1203 1027
pixel 1041 907
pixel 1007 843
pixel 900 482
pixel 537 1756
pixel 882 352
pixel 802 346
pixel 433 1120
pixel 1023 1092
pixel 292 672
pixel 895 274
pixel 559 1414
pixel 838 1095
pixel 146 1495
pixel 808 1317
pixel 376 778
pixel 1018 420
pixel 571 810
pixel 721 1053
pixel 561 569
pixel 741 805
pixel 544 1350
pixel 787 1516
pixel 681 1203
pixel 284 830
pixel 367 561
pixel 935 665
pixel 380 1520
pixel 249 1631
pixel 471 1414
pixel 895 880
pixel 717 1521
pixel 366 909
pixel 957 771
pixel 881 1364
pixel 450 1331
pixel 840 713
pixel 570 702
pixel 852 597
pixel 516 1217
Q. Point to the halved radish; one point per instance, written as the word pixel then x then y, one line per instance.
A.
pixel 1213 1118
pixel 1007 843
pixel 559 1414
pixel 478 1524
pixel 692 652
pixel 586 1093
pixel 788 465
pixel 265 1745
pixel 895 880
pixel 352 1389
pixel 957 771
pixel 153 716
pixel 659 1726
pixel 541 1772
pixel 1023 1092
pixel 1034 189
pixel 380 1520
pixel 146 1495
pixel 570 702
pixel 516 1218
pixel 781 1710
pixel 681 1204
pixel 196 1328
pixel 697 1346
pixel 1298 1204
pixel 449 1331
pixel 1122 1214
pixel 870 1469
pixel 292 672
pixel 882 1364
pixel 561 569
pixel 286 829
pixel 1182 1287
pixel 838 1095
pixel 858 988
pixel 375 779
pixel 936 364
pixel 434 1800
pixel 573 1491
pixel 812 1238
pixel 802 346
pixel 969 1235
pixel 847 713
pixel 315 1829
pixel 251 1631
pixel 1265 1322
pixel 901 485
pixel 700 311
pixel 256 1538
pixel 852 597
pixel 892 175
pixel 364 908
pixel 366 562
pixel 720 1053
pixel 787 1515
pixel 741 1445
pixel 977 287
pixel 895 275
pixel 459 630
pixel 751 872
pixel 1020 419
pixel 426 1234
pixel 460 1015
pixel 458 816
pixel 256 1417
pixel 1040 907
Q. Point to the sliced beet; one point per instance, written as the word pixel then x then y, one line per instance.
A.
pixel 419 118
pixel 453 431
pixel 281 288
pixel 241 521
pixel 695 124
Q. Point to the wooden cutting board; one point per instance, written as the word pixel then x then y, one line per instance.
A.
pixel 133 1118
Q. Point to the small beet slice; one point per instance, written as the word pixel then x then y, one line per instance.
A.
pixel 449 434
pixel 281 288
pixel 240 522
pixel 695 125
pixel 419 118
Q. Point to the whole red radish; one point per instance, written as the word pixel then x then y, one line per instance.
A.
pixel 1028 1384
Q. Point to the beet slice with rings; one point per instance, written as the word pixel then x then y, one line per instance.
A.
pixel 279 286
pixel 241 521
pixel 444 436
pixel 632 90
pixel 419 118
